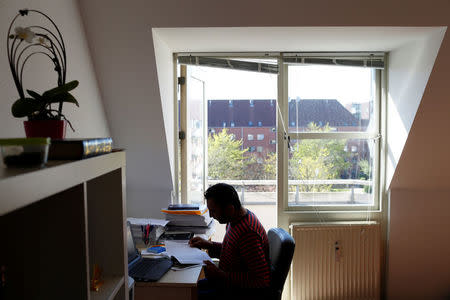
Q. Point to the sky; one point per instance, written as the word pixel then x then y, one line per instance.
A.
pixel 346 84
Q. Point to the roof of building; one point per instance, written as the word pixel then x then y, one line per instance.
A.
pixel 262 113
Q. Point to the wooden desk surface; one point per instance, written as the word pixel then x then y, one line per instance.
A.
pixel 183 278
pixel 174 285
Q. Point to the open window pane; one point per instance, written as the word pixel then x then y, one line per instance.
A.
pixel 341 98
pixel 331 172
pixel 195 139
pixel 241 135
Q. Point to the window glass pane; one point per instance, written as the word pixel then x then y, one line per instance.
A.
pixel 241 118
pixel 339 98
pixel 324 172
pixel 195 139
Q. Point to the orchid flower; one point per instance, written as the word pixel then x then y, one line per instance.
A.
pixel 25 34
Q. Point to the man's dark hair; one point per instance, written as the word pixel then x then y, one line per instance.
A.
pixel 223 194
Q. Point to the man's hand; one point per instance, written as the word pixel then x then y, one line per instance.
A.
pixel 214 273
pixel 200 243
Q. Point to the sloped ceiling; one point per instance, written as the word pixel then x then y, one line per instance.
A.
pixel 122 47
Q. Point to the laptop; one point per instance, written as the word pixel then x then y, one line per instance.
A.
pixel 142 268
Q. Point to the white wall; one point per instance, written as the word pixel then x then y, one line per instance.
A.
pixel 125 63
pixel 419 265
pixel 408 72
pixel 89 120
pixel 164 66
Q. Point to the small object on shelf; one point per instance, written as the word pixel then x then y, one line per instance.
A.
pixel 73 149
pixel 96 281
pixel 24 152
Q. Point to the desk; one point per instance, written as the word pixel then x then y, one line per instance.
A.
pixel 179 285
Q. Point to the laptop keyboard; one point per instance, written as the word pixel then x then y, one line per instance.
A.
pixel 150 269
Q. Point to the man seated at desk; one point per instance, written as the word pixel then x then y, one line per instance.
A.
pixel 244 267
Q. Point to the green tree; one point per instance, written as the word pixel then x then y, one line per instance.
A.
pixel 226 158
pixel 316 159
pixel 270 166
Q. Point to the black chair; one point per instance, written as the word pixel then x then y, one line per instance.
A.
pixel 281 250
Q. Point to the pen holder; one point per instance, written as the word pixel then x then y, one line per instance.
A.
pixel 142 239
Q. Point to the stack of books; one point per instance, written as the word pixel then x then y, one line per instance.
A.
pixel 188 215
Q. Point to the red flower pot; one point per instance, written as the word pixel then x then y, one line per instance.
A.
pixel 55 129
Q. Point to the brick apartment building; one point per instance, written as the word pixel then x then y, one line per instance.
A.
pixel 254 121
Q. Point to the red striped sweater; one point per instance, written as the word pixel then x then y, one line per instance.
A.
pixel 244 253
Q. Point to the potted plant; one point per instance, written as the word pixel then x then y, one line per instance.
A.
pixel 44 119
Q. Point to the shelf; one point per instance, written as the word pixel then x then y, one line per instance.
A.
pixel 109 288
pixel 20 187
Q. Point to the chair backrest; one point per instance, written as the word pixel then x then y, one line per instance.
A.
pixel 281 250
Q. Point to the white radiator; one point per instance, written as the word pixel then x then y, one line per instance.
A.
pixel 336 261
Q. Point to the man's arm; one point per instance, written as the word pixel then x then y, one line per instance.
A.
pixel 252 253
pixel 213 248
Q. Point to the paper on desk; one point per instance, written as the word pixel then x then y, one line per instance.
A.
pixel 184 253
pixel 142 221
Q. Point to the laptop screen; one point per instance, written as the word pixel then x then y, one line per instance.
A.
pixel 132 251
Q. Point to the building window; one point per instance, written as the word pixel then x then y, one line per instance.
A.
pixel 251 149
pixel 259 149
pixel 250 123
pixel 272 142
pixel 250 137
pixel 259 123
pixel 230 103
pixel 232 124
pixel 260 137
pixel 224 124
pixel 252 103
pixel 354 149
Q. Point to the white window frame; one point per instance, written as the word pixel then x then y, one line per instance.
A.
pixel 331 212
pixel 260 137
pixel 287 214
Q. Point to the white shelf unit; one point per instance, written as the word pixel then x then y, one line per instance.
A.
pixel 58 221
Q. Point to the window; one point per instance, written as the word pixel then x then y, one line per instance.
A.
pixel 323 142
pixel 325 123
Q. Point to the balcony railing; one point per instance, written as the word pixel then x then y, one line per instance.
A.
pixel 351 184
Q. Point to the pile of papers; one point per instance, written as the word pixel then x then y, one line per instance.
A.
pixel 198 217
pixel 185 254
pixel 207 231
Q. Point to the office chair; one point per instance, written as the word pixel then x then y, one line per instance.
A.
pixel 281 251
